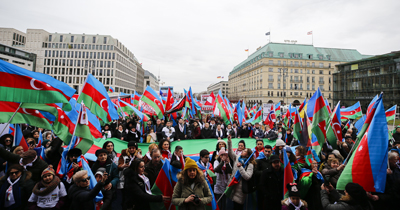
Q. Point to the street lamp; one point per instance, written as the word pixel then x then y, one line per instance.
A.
pixel 284 73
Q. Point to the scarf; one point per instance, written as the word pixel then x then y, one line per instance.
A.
pixel 228 131
pixel 48 187
pixel 296 207
pixel 257 153
pixel 218 133
pixel 147 184
pixel 237 152
pixel 134 133
pixel 10 192
pixel 153 137
pixel 181 127
pixel 204 168
pixel 166 154
pixel 27 165
pixel 148 155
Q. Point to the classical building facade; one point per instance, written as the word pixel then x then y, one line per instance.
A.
pixel 71 57
pixel 287 73
pixel 151 80
pixel 216 87
pixel 18 57
pixel 362 80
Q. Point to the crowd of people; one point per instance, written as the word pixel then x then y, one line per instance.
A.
pixel 52 177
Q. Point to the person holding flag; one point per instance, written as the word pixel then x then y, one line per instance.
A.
pixel 243 167
pixel 187 197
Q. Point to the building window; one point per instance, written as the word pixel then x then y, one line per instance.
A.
pixel 321 65
pixel 296 63
pixel 279 85
pixel 313 79
pixel 94 39
pixel 270 70
pixel 310 57
pixel 296 71
pixel 281 55
pixel 313 64
pixel 61 38
pixel 72 38
pixel 313 87
pixel 313 71
pixel 50 38
pixel 321 72
pixel 270 54
pixel 270 85
pixel 83 39
pixel 105 40
pixel 320 57
pixel 328 57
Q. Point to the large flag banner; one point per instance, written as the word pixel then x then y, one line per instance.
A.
pixel 210 100
pixel 352 112
pixel 21 85
pixel 170 100
pixel 135 99
pixel 368 162
pixel 94 95
pixel 178 106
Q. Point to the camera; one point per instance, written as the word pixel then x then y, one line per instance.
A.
pixel 196 199
pixel 75 160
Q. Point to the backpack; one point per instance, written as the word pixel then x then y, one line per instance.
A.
pixel 249 186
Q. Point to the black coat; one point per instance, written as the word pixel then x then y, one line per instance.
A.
pixel 272 187
pixel 152 171
pixel 271 135
pixel 158 131
pixel 25 187
pixel 221 134
pixel 244 132
pixel 82 198
pixel 206 133
pixel 135 193
pixel 132 137
pixel 119 135
pixel 181 135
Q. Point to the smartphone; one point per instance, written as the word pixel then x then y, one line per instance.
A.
pixel 327 180
pixel 75 160
pixel 127 161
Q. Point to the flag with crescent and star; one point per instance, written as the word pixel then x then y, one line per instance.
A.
pixel 21 85
pixel 94 96
pixel 369 161
pixel 334 132
pixel 318 125
pixel 32 117
pixel 153 101
pixel 351 112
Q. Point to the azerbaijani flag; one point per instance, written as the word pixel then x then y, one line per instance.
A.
pixel 237 112
pixel 19 138
pixel 334 132
pixel 278 109
pixel 24 115
pixel 391 113
pixel 368 163
pixel 152 103
pixel 21 85
pixel 327 106
pixel 135 99
pixel 257 118
pixel 111 90
pixel 352 112
pixel 221 109
pixel 288 174
pixel 321 114
pixel 95 97
pixel 163 186
pixel 236 178
pixel 370 114
pixel 305 182
pixel 303 108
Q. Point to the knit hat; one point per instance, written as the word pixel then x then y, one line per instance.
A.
pixel 133 144
pixel 222 151
pixel 293 189
pixel 190 163
pixel 221 141
pixel 280 142
pixel 48 170
pixel 45 141
pixel 30 154
pixel 357 192
pixel 100 151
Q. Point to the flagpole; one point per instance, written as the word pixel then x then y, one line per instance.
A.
pixel 394 120
pixel 11 119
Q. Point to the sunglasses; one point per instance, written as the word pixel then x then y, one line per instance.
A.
pixel 8 141
pixel 14 173
pixel 85 180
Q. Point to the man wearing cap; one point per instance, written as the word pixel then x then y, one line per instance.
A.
pixel 29 160
pixel 272 184
pixel 293 201
pixel 257 132
pixel 113 177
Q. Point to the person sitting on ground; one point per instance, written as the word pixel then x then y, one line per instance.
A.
pixel 49 193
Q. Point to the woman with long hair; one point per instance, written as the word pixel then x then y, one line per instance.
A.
pixel 237 195
pixel 196 131
pixel 165 148
pixel 137 190
pixel 191 191
pixel 112 154
pixel 147 156
pixel 220 144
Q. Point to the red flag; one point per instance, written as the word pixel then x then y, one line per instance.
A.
pixel 170 100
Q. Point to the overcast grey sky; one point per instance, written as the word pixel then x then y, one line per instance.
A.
pixel 193 42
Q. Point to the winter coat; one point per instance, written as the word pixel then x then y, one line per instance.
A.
pixel 219 134
pixel 119 135
pixel 258 132
pixel 133 136
pixel 135 193
pixel 340 205
pixel 175 162
pixel 25 186
pixel 179 134
pixel 237 194
pixel 222 180
pixel 244 132
pixel 158 131
pixel 270 135
pixel 53 153
pixel 152 171
pixel 333 172
pixel 262 164
pixel 206 133
pixel 111 169
pixel 196 133
pixel 36 169
pixel 287 206
pixel 182 191
pixel 272 187
pixel 82 198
